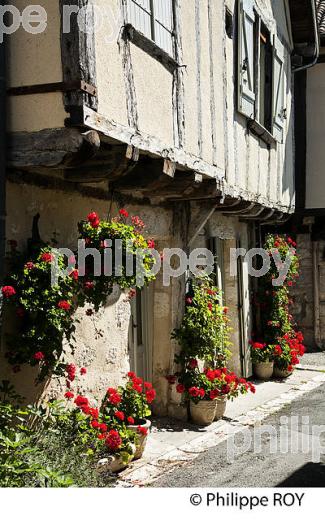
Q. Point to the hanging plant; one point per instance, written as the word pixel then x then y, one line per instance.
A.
pixel 44 311
pixel 119 238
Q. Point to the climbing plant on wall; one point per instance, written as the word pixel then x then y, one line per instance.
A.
pixel 43 311
pixel 277 327
pixel 204 331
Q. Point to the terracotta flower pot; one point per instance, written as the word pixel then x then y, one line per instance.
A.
pixel 264 371
pixel 204 412
pixel 281 373
pixel 221 407
pixel 141 440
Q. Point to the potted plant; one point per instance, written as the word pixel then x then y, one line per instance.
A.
pixel 263 360
pixel 288 351
pixel 130 404
pixel 209 391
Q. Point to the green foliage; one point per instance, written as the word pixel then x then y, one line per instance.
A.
pixel 204 331
pixel 280 339
pixel 44 311
pixel 47 447
pixel 135 398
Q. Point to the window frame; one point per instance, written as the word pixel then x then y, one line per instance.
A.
pixel 271 135
pixel 148 42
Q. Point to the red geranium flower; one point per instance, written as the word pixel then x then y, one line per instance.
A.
pixel 29 266
pixel 124 213
pixel 130 420
pixel 142 431
pixel 8 291
pixel 83 371
pixel 214 394
pixel 89 285
pixel 180 389
pixel 120 416
pixel 189 301
pixel 94 424
pixel 81 401
pixel 74 274
pixel 64 305
pixel 103 427
pixel 69 395
pixel 113 440
pixel 150 395
pixel 194 391
pixel 94 412
pixel 151 244
pixel 93 219
pixel 47 258
pixel 193 363
pixel 115 399
pixel 131 375
pixel 39 356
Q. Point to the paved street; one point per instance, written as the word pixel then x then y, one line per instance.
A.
pixel 263 469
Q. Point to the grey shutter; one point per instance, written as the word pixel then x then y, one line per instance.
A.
pixel 278 90
pixel 139 15
pixel 246 59
pixel 163 24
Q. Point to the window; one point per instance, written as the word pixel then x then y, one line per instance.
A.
pixel 261 76
pixel 265 78
pixel 154 19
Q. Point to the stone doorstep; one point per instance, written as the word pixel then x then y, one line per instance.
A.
pixel 145 471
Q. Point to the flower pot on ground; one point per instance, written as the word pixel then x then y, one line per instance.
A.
pixel 116 463
pixel 130 405
pixel 203 390
pixel 221 407
pixel 141 431
pixel 203 412
pixel 281 373
pixel 263 370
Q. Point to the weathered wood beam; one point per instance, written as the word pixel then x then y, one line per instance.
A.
pixel 150 145
pixel 78 52
pixel 116 165
pixel 55 148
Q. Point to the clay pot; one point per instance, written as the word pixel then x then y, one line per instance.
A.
pixel 114 463
pixel 264 371
pixel 204 412
pixel 140 440
pixel 280 373
pixel 221 407
pixel 111 465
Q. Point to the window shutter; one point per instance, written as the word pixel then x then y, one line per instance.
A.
pixel 278 90
pixel 246 66
pixel 163 24
pixel 139 15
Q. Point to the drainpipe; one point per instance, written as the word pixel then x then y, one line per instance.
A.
pixel 316 34
pixel 317 332
pixel 2 163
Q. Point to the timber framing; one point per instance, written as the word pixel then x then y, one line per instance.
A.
pixel 78 53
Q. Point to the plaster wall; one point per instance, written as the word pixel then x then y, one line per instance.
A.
pixel 315 185
pixel 35 59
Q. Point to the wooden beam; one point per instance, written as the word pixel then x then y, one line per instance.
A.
pixel 56 148
pixel 78 52
pixel 150 145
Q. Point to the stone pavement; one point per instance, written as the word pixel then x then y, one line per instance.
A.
pixel 173 443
